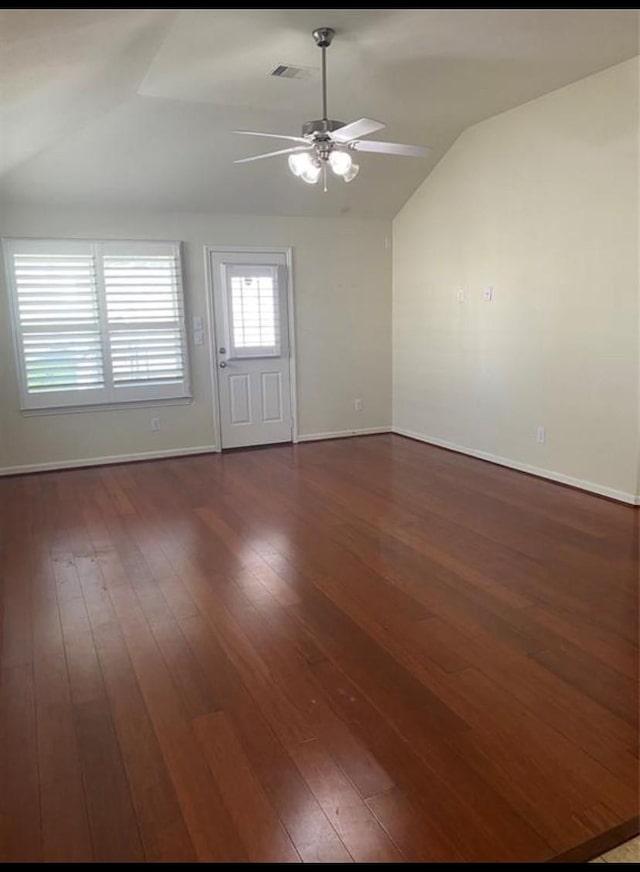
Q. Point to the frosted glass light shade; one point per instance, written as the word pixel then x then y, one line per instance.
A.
pixel 305 167
pixel 352 172
pixel 299 162
pixel 340 162
pixel 311 174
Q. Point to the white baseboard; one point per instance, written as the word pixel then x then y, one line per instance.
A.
pixel 105 461
pixel 592 487
pixel 165 454
pixel 340 434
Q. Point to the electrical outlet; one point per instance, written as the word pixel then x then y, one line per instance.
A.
pixel 155 424
pixel 460 296
pixel 487 294
pixel 540 435
pixel 357 405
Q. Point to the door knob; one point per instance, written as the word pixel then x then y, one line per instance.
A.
pixel 222 364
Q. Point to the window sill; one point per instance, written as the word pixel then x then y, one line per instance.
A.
pixel 107 407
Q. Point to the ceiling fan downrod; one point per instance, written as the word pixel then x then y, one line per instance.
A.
pixel 323 126
pixel 324 37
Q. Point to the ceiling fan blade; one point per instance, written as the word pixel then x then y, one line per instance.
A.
pixel 274 153
pixel 390 148
pixel 272 135
pixel 356 129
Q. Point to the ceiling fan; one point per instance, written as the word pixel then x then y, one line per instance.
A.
pixel 325 141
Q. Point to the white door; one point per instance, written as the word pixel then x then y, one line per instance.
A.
pixel 252 351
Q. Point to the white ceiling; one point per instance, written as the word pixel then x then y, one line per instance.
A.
pixel 137 108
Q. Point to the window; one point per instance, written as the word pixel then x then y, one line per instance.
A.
pixel 97 322
pixel 253 301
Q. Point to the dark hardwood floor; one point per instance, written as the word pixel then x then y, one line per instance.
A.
pixel 366 649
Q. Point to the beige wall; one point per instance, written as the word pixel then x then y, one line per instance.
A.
pixel 342 271
pixel 541 203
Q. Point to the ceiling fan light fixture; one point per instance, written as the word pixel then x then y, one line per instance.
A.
pixel 299 162
pixel 328 141
pixel 305 167
pixel 340 162
pixel 311 174
pixel 352 172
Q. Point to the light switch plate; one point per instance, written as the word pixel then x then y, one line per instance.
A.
pixel 198 330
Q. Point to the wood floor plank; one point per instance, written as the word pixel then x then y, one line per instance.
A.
pixel 396 688
pixel 598 681
pixel 452 798
pixel 114 827
pixel 211 830
pixel 365 649
pixel 162 828
pixel 262 833
pixel 347 811
pixel 65 829
pixel 493 711
pixel 17 644
pixel 110 811
pixel 308 827
pixel 551 700
pixel 609 649
pixel 270 693
pixel 358 763
pixel 272 635
pixel 198 697
pixel 20 826
pixel 120 826
pixel 16 640
pixel 417 835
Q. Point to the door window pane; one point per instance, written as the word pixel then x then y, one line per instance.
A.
pixel 254 312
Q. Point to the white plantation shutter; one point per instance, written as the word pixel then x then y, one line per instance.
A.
pixel 97 322
pixel 145 319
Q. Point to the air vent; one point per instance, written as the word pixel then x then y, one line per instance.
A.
pixel 286 71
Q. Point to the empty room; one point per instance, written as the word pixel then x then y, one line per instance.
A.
pixel 319 435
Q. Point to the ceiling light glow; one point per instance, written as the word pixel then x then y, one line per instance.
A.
pixel 340 162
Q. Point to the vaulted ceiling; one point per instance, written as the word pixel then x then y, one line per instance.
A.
pixel 137 108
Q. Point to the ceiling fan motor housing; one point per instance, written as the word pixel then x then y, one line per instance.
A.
pixel 319 133
pixel 321 126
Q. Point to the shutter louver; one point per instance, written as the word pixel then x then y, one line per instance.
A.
pixel 58 319
pixel 97 322
pixel 145 320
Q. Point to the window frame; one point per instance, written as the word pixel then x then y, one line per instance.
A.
pixel 108 396
pixel 254 352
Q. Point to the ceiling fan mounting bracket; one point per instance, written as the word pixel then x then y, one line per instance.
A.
pixel 323 36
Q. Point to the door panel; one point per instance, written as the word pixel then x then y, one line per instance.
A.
pixel 271 396
pixel 251 352
pixel 239 398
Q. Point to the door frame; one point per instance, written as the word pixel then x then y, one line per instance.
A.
pixel 211 323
